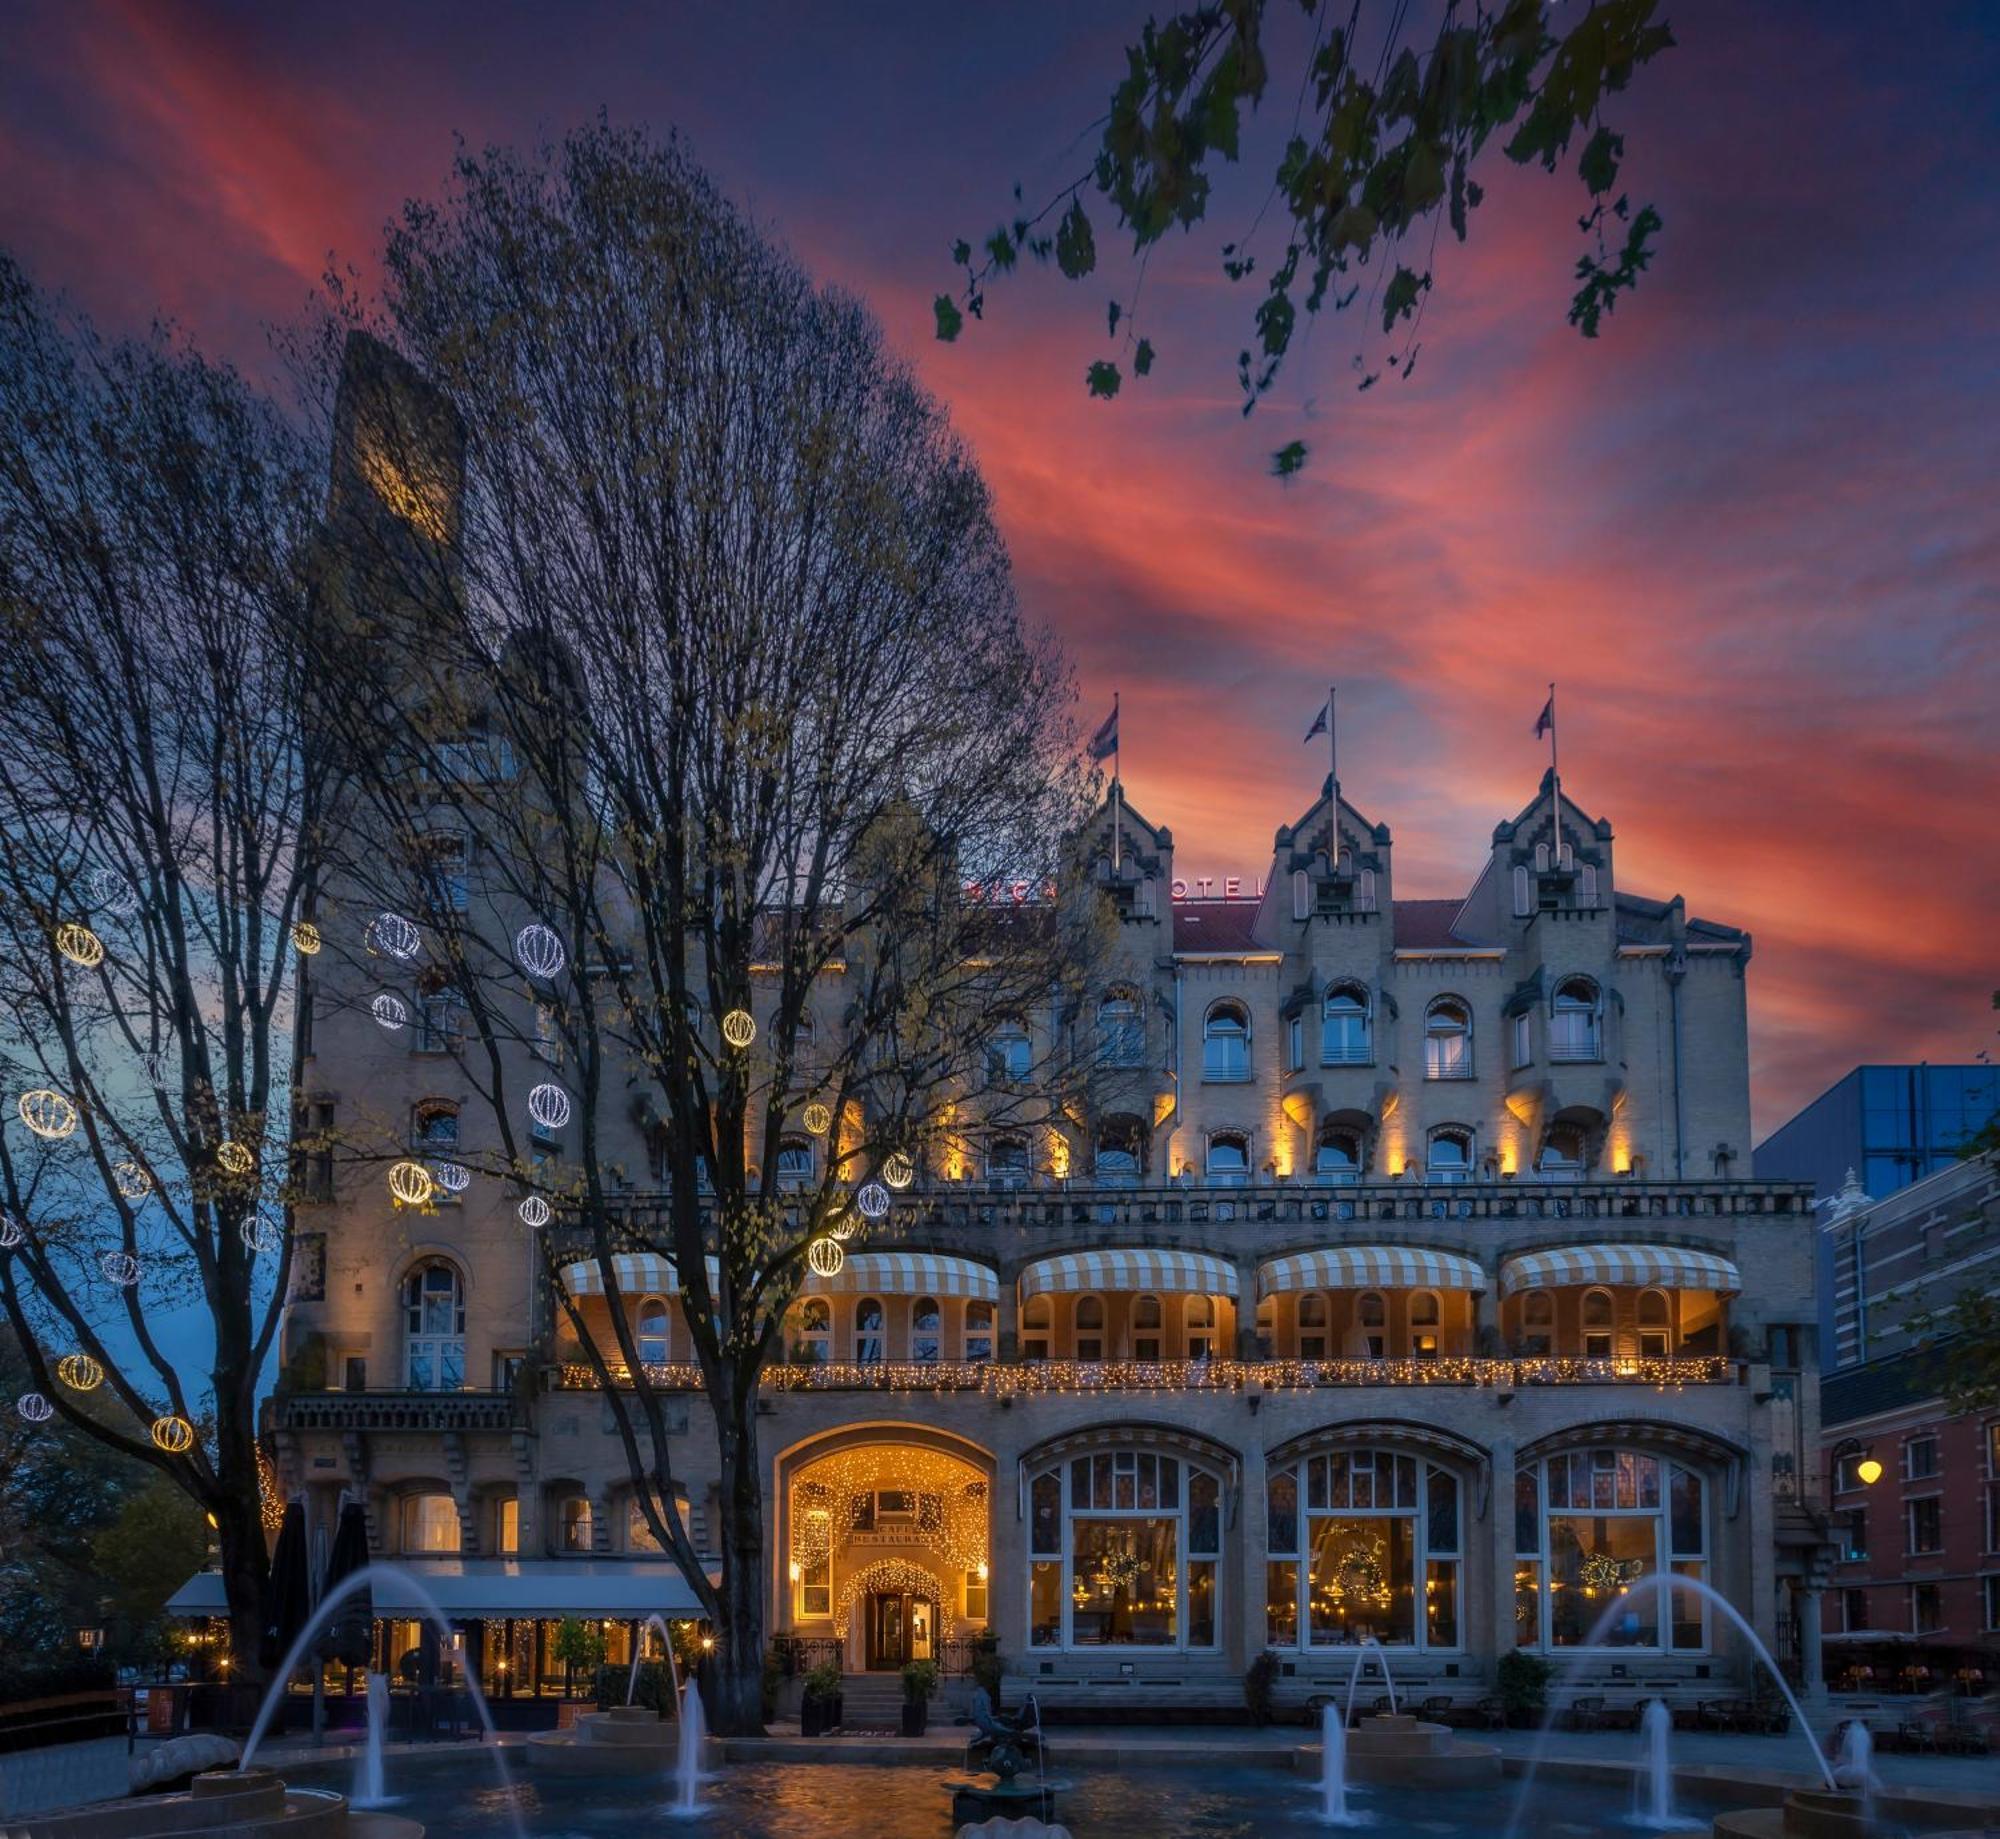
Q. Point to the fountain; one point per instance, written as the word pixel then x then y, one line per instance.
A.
pixel 1654 1785
pixel 628 1739
pixel 688 1757
pixel 370 1790
pixel 244 1803
pixel 1333 1808
pixel 989 1800
pixel 638 1655
pixel 1854 1761
pixel 1395 1749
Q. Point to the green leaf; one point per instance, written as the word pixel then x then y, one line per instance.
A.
pixel 1103 379
pixel 950 321
pixel 1000 247
pixel 1599 165
pixel 1142 358
pixel 961 252
pixel 1113 314
pixel 1399 298
pixel 1076 247
pixel 1289 459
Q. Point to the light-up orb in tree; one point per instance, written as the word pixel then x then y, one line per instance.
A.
pixel 826 1257
pixel 12 1232
pixel 48 1114
pixel 409 1183
pixel 390 1011
pixel 79 1372
pixel 132 1180
pixel 452 1177
pixel 817 1119
pixel 548 1105
pixel 898 1170
pixel 873 1200
pixel 534 1212
pixel 390 935
pixel 739 1028
pixel 120 1268
pixel 35 1408
pixel 305 939
pixel 175 1435
pixel 79 944
pixel 235 1158
pixel 108 889
pixel 261 1236
pixel 538 951
pixel 844 1224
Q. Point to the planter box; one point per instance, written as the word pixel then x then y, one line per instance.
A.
pixel 916 1717
pixel 819 1716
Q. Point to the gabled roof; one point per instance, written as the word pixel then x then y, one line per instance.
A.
pixel 1644 922
pixel 1216 925
pixel 1431 925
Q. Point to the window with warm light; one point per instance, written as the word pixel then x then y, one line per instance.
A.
pixel 654 1337
pixel 430 1523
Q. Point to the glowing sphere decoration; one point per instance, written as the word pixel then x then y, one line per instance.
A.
pixel 873 1200
pixel 120 1268
pixel 844 1224
pixel 409 1183
pixel 235 1158
pixel 79 944
pixel 261 1236
pixel 534 1212
pixel 79 1372
pixel 133 1181
pixel 390 935
pixel 548 1105
pixel 539 951
pixel 390 1011
pixel 35 1408
pixel 12 1232
pixel 48 1114
pixel 898 1170
pixel 452 1177
pixel 175 1435
pixel 306 939
pixel 826 1257
pixel 817 1119
pixel 108 889
pixel 739 1028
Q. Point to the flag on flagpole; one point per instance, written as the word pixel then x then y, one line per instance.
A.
pixel 1319 721
pixel 1104 743
pixel 1547 719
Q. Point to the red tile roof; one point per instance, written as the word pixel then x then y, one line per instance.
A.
pixel 1425 925
pixel 1216 925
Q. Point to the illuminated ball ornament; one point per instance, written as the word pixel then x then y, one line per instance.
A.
pixel 533 1212
pixel 175 1435
pixel 817 1119
pixel 79 945
pixel 48 1114
pixel 539 951
pixel 898 1170
pixel 235 1158
pixel 110 891
pixel 548 1105
pixel 132 1180
pixel 79 1372
pixel 119 1268
pixel 409 1183
pixel 390 935
pixel 739 1028
pixel 390 1011
pixel 844 1225
pixel 12 1232
pixel 826 1257
pixel 35 1408
pixel 305 939
pixel 452 1177
pixel 262 1236
pixel 873 1200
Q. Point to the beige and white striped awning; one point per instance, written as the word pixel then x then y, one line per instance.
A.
pixel 909 1274
pixel 638 1274
pixel 1369 1267
pixel 1674 1265
pixel 1148 1268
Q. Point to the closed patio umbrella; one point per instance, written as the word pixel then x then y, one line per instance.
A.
pixel 291 1586
pixel 350 1636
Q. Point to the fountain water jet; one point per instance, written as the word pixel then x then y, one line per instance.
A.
pixel 1654 1784
pixel 370 1789
pixel 1333 1808
pixel 667 1642
pixel 1370 1644
pixel 687 1756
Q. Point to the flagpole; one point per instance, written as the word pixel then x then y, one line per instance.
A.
pixel 1117 790
pixel 1555 789
pixel 1333 769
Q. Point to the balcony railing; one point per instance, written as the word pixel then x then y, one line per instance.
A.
pixel 1036 1378
pixel 394 1410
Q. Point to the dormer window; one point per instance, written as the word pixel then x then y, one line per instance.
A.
pixel 1345 1034
pixel 1575 1021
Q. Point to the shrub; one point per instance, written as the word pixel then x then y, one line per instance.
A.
pixel 987 1666
pixel 1523 1682
pixel 920 1680
pixel 823 1681
pixel 1260 1680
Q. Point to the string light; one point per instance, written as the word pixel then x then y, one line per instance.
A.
pixel 817 1118
pixel 391 935
pixel 305 939
pixel 119 1268
pixel 533 1212
pixel 79 1372
pixel 826 1256
pixel 34 1407
pixel 235 1158
pixel 270 1503
pixel 409 1183
pixel 175 1435
pixel 107 888
pixel 1601 1573
pixel 895 1576
pixel 548 1105
pixel 873 1201
pixel 390 1011
pixel 48 1114
pixel 539 951
pixel 830 1495
pixel 131 1180
pixel 12 1232
pixel 844 1225
pixel 452 1177
pixel 260 1236
pixel 739 1028
pixel 79 944
pixel 898 1170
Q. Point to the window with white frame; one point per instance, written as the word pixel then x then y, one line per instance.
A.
pixel 796 1167
pixel 978 1331
pixel 1007 1162
pixel 654 1337
pixel 1121 1029
pixel 1009 1054
pixel 1448 1155
pixel 1923 1526
pixel 430 1523
pixel 1295 1044
pixel 1575 1024
pixel 1920 1459
pixel 1565 1154
pixel 1228 1159
pixel 447 857
pixel 870 1340
pixel 434 1328
pixel 576 1522
pixel 1225 1043
pixel 1337 1154
pixel 1448 1039
pixel 440 1020
pixel 1656 1333
pixel 815 1338
pixel 1524 1038
pixel 1597 1317
pixel 1847 1471
pixel 926 1330
pixel 1926 1609
pixel 1345 1032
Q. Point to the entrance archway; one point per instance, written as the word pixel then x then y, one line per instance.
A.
pixel 904 1614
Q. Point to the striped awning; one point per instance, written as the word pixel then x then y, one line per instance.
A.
pixel 1149 1268
pixel 638 1274
pixel 910 1274
pixel 1369 1267
pixel 1673 1265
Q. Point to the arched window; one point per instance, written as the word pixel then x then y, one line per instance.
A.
pixel 654 1338
pixel 1312 1326
pixel 431 1523
pixel 1124 1550
pixel 795 1162
pixel 868 1338
pixel 1118 1160
pixel 1594 1523
pixel 1007 1162
pixel 1575 1017
pixel 1225 1042
pixel 434 1328
pixel 434 1127
pixel 1371 1325
pixel 1089 1324
pixel 1538 1322
pixel 1198 1314
pixel 1565 1151
pixel 577 1522
pixel 1598 1319
pixel 1121 1028
pixel 447 858
pixel 1345 1036
pixel 1364 1545
pixel 1337 1155
pixel 815 1342
pixel 926 1330
pixel 440 1015
pixel 978 1331
pixel 1146 1326
pixel 1448 1155
pixel 1009 1053
pixel 1656 1335
pixel 1425 1324
pixel 1228 1159
pixel 1448 1039
pixel 1037 1319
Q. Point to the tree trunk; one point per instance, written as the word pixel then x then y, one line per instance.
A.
pixel 733 1679
pixel 246 1582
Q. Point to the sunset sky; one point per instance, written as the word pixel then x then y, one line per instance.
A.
pixel 1753 530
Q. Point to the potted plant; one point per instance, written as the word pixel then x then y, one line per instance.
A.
pixel 920 1680
pixel 819 1710
pixel 1260 1680
pixel 1523 1679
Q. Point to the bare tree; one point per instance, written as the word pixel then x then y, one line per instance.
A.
pixel 156 805
pixel 696 645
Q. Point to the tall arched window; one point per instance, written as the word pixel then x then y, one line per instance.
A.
pixel 1575 1021
pixel 1229 1159
pixel 868 1336
pixel 1007 1162
pixel 1037 1321
pixel 1121 1028
pixel 1089 1324
pixel 1425 1324
pixel 1312 1326
pixel 978 1331
pixel 1371 1325
pixel 1124 1550
pixel 815 1342
pixel 1225 1042
pixel 1565 1152
pixel 1448 1039
pixel 1345 1037
pixel 926 1330
pixel 1598 1320
pixel 1198 1314
pixel 431 1523
pixel 1337 1155
pixel 1538 1322
pixel 1146 1328
pixel 1364 1545
pixel 1656 1335
pixel 1118 1159
pixel 654 1337
pixel 795 1163
pixel 434 1328
pixel 1448 1155
pixel 1009 1054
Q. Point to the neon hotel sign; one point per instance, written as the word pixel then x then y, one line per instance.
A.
pixel 1198 887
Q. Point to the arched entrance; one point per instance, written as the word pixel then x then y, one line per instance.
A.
pixel 903 1614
